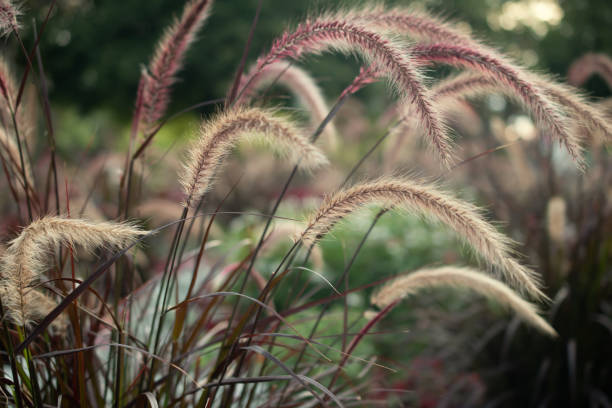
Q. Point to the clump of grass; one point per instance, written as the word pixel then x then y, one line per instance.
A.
pixel 217 319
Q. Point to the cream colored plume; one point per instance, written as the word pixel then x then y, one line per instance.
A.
pixel 219 135
pixel 426 200
pixel 28 256
pixel 556 219
pixel 466 278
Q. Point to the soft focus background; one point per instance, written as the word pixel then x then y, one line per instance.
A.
pixel 94 49
pixel 448 349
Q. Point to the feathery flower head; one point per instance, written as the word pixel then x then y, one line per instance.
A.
pixel 168 59
pixel 299 82
pixel 425 200
pixel 219 135
pixel 27 257
pixel 590 64
pixel 9 12
pixel 466 278
pixel 387 54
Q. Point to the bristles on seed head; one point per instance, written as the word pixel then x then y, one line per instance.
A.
pixel 27 257
pixel 299 82
pixel 466 278
pixel 571 100
pixel 545 111
pixel 425 200
pixel 168 59
pixel 387 54
pixel 413 22
pixel 445 43
pixel 219 135
pixel 9 12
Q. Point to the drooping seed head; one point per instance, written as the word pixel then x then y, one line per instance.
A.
pixel 219 135
pixel 388 55
pixel 571 100
pixel 443 42
pixel 590 64
pixel 27 257
pixel 464 278
pixel 545 111
pixel 425 200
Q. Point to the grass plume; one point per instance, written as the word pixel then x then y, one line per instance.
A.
pixel 9 12
pixel 426 200
pixel 27 257
pixel 442 42
pixel 466 278
pixel 168 59
pixel 545 111
pixel 219 135
pixel 315 36
pixel 468 85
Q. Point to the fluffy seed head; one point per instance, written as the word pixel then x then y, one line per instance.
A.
pixel 556 219
pixel 425 200
pixel 545 111
pixel 27 257
pixel 168 59
pixel 410 21
pixel 388 55
pixel 219 135
pixel 444 43
pixel 9 11
pixel 583 113
pixel 301 85
pixel 466 278
pixel 571 100
pixel 588 65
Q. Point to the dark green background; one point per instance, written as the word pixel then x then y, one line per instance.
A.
pixel 109 40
